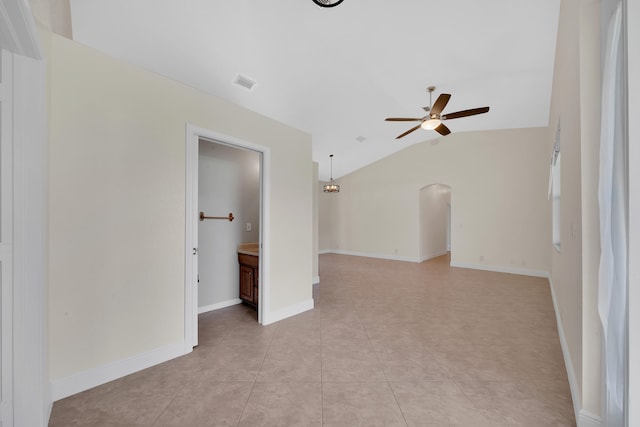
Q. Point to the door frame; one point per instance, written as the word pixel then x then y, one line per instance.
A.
pixel 192 138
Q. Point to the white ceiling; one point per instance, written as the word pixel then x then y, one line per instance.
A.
pixel 336 73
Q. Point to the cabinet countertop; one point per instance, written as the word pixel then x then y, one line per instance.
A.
pixel 249 249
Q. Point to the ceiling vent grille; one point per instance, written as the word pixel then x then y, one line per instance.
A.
pixel 244 82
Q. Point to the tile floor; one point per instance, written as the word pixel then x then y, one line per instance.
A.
pixel 388 344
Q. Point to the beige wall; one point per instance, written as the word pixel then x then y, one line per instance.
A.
pixel 575 103
pixel 324 218
pixel 498 183
pixel 54 15
pixel 565 106
pixel 117 205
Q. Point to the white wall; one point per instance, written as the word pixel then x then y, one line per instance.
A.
pixel 117 208
pixel 434 212
pixel 498 183
pixel 228 181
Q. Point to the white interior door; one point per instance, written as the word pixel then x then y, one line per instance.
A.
pixel 6 244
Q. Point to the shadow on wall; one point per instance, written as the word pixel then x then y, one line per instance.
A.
pixel 435 221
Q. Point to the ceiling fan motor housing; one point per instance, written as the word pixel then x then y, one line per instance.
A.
pixel 327 3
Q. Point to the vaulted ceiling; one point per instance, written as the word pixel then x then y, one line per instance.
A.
pixel 336 73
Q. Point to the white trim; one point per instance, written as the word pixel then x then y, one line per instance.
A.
pixel 500 269
pixel 576 395
pixel 290 311
pixel 218 306
pixel 324 251
pixel 191 240
pixel 76 383
pixel 6 234
pixel 431 256
pixel 372 255
pixel 587 419
pixel 32 400
pixel 315 280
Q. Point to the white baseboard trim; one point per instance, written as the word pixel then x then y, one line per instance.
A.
pixel 218 306
pixel 587 419
pixel 324 251
pixel 286 312
pixel 372 255
pixel 576 395
pixel 315 280
pixel 500 269
pixel 430 256
pixel 76 383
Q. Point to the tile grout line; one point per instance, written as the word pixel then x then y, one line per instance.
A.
pixel 255 379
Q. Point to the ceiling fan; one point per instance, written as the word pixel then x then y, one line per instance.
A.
pixel 433 120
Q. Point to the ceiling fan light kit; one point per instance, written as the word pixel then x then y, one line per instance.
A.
pixel 331 187
pixel 431 124
pixel 433 120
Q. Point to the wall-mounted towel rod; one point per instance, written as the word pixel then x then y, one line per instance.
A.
pixel 230 217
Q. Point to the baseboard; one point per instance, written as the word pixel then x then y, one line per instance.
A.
pixel 430 256
pixel 324 251
pixel 219 305
pixel 286 312
pixel 315 280
pixel 76 383
pixel 372 255
pixel 576 395
pixel 587 419
pixel 500 269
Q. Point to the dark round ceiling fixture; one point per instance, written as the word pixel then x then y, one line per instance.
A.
pixel 327 3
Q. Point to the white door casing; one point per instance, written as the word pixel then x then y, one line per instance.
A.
pixel 192 138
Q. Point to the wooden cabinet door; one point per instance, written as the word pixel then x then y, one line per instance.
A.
pixel 246 283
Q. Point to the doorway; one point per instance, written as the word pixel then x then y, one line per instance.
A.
pixel 435 221
pixel 225 159
pixel 229 198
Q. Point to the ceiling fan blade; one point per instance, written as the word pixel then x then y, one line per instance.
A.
pixel 464 113
pixel 440 103
pixel 408 132
pixel 442 130
pixel 402 119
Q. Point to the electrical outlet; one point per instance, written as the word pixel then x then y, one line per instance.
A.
pixel 248 226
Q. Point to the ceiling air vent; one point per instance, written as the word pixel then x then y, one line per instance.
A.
pixel 244 81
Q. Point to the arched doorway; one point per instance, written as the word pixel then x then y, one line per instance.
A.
pixel 435 221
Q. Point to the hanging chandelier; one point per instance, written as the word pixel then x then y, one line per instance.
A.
pixel 327 3
pixel 331 187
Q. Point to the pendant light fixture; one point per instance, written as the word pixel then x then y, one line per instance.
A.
pixel 331 187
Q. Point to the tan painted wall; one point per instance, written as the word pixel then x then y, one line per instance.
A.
pixel 117 203
pixel 575 103
pixel 498 185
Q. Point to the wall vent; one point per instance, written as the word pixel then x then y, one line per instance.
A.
pixel 244 81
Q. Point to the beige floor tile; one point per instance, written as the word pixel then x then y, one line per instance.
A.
pixel 388 343
pixel 360 404
pixel 437 403
pixel 206 403
pixel 284 404
pixel 287 364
